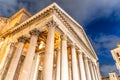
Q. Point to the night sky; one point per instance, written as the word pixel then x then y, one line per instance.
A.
pixel 99 18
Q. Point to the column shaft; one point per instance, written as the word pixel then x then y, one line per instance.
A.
pixel 98 71
pixel 70 71
pixel 49 53
pixel 64 59
pixel 54 73
pixel 95 72
pixel 35 66
pixel 74 63
pixel 87 67
pixel 27 65
pixel 82 66
pixel 92 71
pixel 15 59
pixel 8 60
pixel 58 65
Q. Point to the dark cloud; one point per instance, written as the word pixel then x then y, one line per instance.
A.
pixel 7 7
pixel 102 45
pixel 105 69
pixel 107 41
pixel 82 10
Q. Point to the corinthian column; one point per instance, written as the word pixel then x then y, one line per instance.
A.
pixel 70 71
pixel 98 71
pixel 8 60
pixel 92 70
pixel 82 66
pixel 64 58
pixel 87 67
pixel 96 76
pixel 27 65
pixel 58 65
pixel 49 52
pixel 15 59
pixel 35 66
pixel 74 63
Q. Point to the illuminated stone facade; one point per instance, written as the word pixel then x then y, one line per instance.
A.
pixel 116 56
pixel 112 76
pixel 49 45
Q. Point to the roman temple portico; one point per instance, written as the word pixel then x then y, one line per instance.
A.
pixel 49 45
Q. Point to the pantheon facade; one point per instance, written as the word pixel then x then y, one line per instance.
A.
pixel 49 45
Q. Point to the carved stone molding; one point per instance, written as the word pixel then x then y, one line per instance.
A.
pixel 22 39
pixel 73 45
pixel 86 58
pixel 35 32
pixel 90 61
pixel 52 24
pixel 12 44
pixel 57 49
pixel 79 51
pixel 63 37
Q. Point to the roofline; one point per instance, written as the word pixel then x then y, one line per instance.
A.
pixel 20 11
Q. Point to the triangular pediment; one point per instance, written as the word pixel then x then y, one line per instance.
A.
pixel 76 28
pixel 3 23
pixel 17 19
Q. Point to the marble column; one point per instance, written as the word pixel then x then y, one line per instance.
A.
pixel 92 70
pixel 54 73
pixel 27 65
pixel 70 71
pixel 82 66
pixel 15 59
pixel 7 62
pixel 49 52
pixel 35 66
pixel 87 67
pixel 75 70
pixel 98 71
pixel 64 58
pixel 96 76
pixel 58 64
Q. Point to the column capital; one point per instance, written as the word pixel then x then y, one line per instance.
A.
pixel 86 58
pixel 72 45
pixel 80 52
pixel 12 44
pixel 52 24
pixel 58 49
pixel 35 32
pixel 63 37
pixel 22 39
pixel 89 60
pixel 97 63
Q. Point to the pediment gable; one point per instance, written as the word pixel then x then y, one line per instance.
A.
pixel 77 29
pixel 17 19
pixel 3 23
